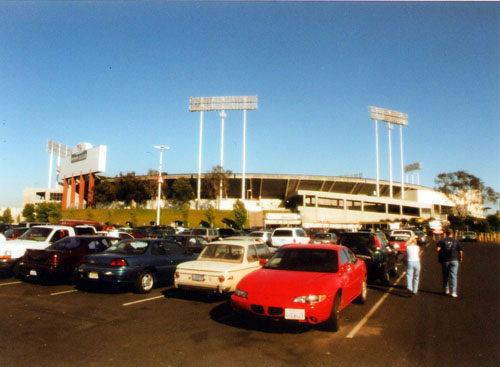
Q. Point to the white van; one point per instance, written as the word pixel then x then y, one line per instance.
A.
pixel 289 235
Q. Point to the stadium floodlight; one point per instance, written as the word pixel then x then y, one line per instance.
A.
pixel 222 103
pixel 226 103
pixel 393 117
pixel 161 148
pixel 390 117
pixel 413 167
pixel 60 150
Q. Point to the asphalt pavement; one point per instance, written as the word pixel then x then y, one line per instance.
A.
pixel 59 325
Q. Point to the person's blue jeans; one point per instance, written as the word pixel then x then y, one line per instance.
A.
pixel 450 272
pixel 412 276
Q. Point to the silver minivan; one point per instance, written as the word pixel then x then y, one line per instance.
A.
pixel 289 235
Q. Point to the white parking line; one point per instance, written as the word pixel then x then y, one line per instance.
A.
pixel 63 292
pixel 142 300
pixel 10 283
pixel 373 309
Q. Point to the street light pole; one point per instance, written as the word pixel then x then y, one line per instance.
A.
pixel 222 115
pixel 161 148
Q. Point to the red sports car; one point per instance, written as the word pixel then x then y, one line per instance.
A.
pixel 307 283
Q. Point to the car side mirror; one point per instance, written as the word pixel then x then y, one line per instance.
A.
pixel 262 262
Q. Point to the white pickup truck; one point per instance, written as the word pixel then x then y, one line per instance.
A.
pixel 38 237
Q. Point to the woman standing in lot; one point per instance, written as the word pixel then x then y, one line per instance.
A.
pixel 412 266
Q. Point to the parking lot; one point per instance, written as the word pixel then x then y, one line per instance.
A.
pixel 59 325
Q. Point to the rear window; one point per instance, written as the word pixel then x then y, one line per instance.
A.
pixel 70 243
pixel 357 240
pixel 283 233
pixel 126 247
pixel 200 232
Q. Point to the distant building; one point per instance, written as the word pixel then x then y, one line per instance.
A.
pixel 37 196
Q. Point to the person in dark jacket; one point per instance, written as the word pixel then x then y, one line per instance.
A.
pixel 450 254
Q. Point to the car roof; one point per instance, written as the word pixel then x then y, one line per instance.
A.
pixel 315 246
pixel 244 241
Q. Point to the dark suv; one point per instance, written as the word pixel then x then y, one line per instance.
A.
pixel 373 248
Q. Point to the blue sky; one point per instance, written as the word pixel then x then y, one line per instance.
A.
pixel 121 74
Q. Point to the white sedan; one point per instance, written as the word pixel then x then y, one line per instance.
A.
pixel 221 265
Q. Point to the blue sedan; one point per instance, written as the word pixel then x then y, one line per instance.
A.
pixel 141 262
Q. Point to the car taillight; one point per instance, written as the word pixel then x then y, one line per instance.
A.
pixel 54 259
pixel 222 278
pixel 294 240
pixel 377 243
pixel 119 262
pixel 177 275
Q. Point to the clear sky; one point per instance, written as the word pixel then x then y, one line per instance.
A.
pixel 121 74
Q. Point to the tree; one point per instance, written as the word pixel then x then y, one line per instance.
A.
pixel 185 213
pixel 7 216
pixel 182 191
pixel 240 213
pixel 466 191
pixel 104 192
pixel 29 212
pixel 213 182
pixel 210 215
pixel 494 221
pixel 48 212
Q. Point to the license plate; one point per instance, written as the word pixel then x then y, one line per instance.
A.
pixel 198 277
pixel 33 273
pixel 295 314
pixel 93 275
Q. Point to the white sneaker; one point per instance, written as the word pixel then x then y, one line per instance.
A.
pixel 446 291
pixel 454 295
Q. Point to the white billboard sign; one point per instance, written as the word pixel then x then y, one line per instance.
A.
pixel 84 161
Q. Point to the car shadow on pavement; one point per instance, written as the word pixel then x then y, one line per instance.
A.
pixel 395 290
pixel 204 297
pixel 104 288
pixel 224 313
pixel 400 290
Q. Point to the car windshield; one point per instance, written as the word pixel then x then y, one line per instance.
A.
pixel 127 247
pixel 304 259
pixel 36 234
pixel 223 252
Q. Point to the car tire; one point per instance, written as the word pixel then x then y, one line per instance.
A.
pixel 145 282
pixel 394 271
pixel 16 270
pixel 384 277
pixel 364 291
pixel 333 323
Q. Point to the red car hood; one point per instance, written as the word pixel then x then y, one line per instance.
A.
pixel 276 284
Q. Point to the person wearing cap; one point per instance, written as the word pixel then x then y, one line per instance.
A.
pixel 450 254
pixel 412 265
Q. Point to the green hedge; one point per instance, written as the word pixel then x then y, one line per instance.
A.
pixel 145 216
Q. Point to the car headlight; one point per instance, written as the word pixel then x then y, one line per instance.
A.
pixel 240 293
pixel 312 298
